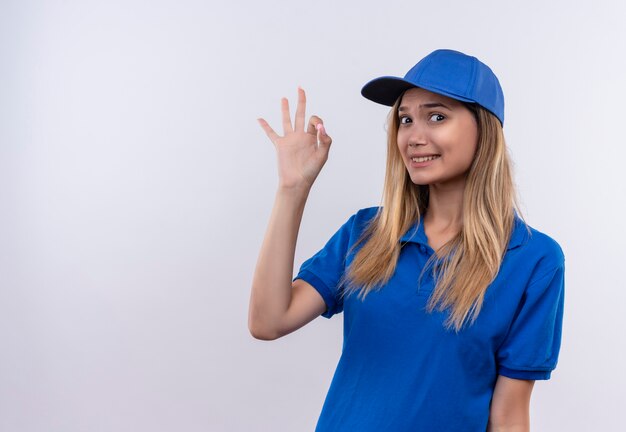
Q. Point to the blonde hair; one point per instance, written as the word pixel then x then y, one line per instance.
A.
pixel 465 266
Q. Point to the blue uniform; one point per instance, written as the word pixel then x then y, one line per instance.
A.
pixel 401 370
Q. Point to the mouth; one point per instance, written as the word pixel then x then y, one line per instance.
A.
pixel 425 158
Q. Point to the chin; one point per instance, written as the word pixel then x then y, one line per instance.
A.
pixel 420 182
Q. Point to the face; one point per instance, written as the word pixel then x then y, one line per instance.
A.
pixel 441 132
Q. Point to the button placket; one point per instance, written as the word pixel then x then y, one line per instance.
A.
pixel 427 281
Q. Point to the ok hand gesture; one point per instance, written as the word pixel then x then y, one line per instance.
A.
pixel 301 153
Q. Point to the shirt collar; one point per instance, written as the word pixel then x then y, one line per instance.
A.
pixel 416 233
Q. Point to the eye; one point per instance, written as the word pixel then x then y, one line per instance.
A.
pixel 440 116
pixel 404 120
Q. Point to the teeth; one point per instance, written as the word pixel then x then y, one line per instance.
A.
pixel 424 159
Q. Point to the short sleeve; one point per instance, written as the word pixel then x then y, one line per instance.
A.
pixel 325 269
pixel 531 348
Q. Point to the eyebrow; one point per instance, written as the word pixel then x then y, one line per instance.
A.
pixel 427 105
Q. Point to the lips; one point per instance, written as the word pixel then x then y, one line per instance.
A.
pixel 423 154
pixel 424 158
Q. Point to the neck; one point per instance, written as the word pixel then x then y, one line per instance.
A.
pixel 445 205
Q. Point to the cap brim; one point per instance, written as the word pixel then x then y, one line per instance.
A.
pixel 386 90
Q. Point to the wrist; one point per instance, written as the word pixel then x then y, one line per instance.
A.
pixel 297 190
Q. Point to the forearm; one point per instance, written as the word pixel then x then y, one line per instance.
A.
pixel 507 426
pixel 510 406
pixel 272 282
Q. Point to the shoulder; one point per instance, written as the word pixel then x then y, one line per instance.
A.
pixel 361 218
pixel 538 252
pixel 354 227
pixel 366 214
pixel 542 245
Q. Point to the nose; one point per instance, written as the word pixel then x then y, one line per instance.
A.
pixel 417 135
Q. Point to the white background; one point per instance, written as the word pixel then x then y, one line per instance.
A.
pixel 136 185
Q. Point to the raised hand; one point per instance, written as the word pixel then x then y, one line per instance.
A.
pixel 301 153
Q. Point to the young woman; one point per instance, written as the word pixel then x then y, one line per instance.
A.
pixel 452 304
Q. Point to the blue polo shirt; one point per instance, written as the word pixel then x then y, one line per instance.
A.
pixel 401 370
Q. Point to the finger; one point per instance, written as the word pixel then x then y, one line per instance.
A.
pixel 286 116
pixel 313 122
pixel 323 138
pixel 300 110
pixel 268 130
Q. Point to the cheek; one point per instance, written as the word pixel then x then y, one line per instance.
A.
pixel 401 140
pixel 472 143
pixel 470 146
pixel 402 146
pixel 463 146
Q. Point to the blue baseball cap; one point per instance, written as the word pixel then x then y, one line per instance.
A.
pixel 446 72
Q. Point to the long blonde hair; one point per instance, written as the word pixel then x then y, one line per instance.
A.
pixel 465 266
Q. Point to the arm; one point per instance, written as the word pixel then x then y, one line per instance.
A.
pixel 277 306
pixel 509 410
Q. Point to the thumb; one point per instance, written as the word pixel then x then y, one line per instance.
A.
pixel 323 138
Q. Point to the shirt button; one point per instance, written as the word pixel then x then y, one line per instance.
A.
pixel 422 248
